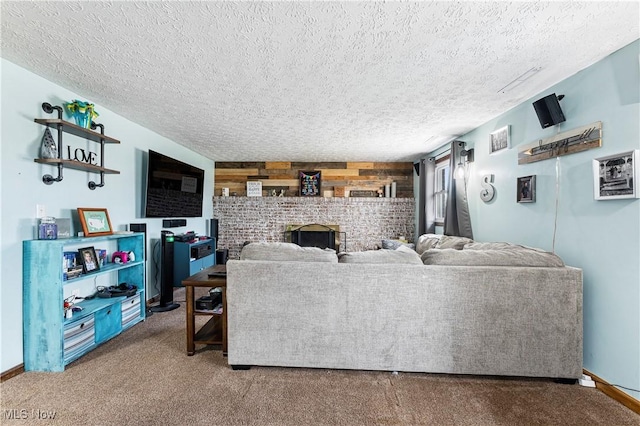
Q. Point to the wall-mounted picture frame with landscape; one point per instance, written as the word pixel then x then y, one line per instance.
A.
pixel 526 189
pixel 615 176
pixel 500 139
pixel 95 222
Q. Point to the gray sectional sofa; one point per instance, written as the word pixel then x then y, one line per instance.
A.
pixel 381 310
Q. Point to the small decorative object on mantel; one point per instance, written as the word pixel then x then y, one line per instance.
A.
pixel 254 188
pixel 82 112
pixel 616 176
pixel 526 189
pixel 500 139
pixel 569 142
pixel 361 193
pixel 310 183
pixel 48 149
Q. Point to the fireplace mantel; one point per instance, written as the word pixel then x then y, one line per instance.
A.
pixel 366 221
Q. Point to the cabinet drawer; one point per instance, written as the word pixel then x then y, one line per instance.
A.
pixel 108 322
pixel 131 310
pixel 79 337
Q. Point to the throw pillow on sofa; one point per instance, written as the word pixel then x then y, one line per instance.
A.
pixel 490 257
pixel 403 255
pixel 287 252
pixel 426 242
pixel 451 242
pixel 394 244
pixel 438 241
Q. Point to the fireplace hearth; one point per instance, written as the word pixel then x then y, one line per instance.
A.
pixel 314 235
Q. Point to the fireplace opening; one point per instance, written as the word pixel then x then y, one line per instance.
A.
pixel 314 235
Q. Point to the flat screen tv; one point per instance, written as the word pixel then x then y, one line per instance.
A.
pixel 174 188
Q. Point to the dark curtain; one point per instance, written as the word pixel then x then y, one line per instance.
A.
pixel 457 220
pixel 426 211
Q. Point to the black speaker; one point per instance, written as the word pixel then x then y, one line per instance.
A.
pixel 141 227
pixel 213 229
pixel 173 223
pixel 416 166
pixel 549 111
pixel 221 256
pixel 166 274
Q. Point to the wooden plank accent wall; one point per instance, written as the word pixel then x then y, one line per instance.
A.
pixel 339 177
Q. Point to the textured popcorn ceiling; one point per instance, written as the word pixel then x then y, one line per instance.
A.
pixel 310 81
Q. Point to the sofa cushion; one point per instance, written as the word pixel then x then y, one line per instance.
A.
pixel 404 256
pixel 287 252
pixel 491 257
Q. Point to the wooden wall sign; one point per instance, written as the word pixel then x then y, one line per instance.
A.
pixel 310 183
pixel 569 142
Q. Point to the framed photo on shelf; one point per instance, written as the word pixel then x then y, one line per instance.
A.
pixel 94 222
pixel 615 176
pixel 89 260
pixel 500 139
pixel 527 189
pixel 254 188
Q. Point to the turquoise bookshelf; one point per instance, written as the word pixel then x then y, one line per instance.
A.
pixel 50 340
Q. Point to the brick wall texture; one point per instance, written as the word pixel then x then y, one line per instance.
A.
pixel 366 221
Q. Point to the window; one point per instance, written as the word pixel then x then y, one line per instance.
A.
pixel 440 189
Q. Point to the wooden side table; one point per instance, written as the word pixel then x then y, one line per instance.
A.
pixel 214 332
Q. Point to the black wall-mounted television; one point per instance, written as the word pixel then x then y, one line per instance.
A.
pixel 174 188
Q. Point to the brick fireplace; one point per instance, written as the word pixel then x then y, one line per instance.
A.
pixel 363 222
pixel 314 235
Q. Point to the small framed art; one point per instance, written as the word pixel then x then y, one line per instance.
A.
pixel 254 188
pixel 89 260
pixel 615 176
pixel 527 189
pixel 500 139
pixel 310 183
pixel 94 222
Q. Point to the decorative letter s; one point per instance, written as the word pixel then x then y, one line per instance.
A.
pixel 488 191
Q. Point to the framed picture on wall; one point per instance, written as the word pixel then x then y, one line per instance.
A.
pixel 527 189
pixel 615 176
pixel 500 139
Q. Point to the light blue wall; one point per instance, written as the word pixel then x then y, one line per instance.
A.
pixel 601 237
pixel 22 94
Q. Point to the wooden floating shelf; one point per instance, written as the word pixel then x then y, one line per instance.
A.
pixel 77 165
pixel 75 130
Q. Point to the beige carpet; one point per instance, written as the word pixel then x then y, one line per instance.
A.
pixel 144 377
